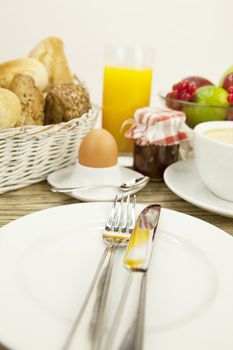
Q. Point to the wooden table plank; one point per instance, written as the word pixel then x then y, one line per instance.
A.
pixel 20 202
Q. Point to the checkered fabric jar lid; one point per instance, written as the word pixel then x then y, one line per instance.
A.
pixel 156 126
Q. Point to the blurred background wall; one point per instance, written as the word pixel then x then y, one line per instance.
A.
pixel 191 37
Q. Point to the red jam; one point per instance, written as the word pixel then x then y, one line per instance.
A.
pixel 152 160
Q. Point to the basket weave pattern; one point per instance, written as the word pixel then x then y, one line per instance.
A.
pixel 30 153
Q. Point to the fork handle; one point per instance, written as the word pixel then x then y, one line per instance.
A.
pixel 87 328
pixel 127 330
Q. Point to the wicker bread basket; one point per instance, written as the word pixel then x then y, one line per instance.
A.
pixel 28 154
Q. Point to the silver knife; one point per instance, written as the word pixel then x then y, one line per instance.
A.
pixel 128 325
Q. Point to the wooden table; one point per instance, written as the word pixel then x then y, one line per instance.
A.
pixel 36 197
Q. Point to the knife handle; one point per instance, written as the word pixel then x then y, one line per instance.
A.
pixel 87 329
pixel 128 326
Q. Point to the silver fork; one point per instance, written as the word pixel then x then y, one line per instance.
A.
pixel 87 330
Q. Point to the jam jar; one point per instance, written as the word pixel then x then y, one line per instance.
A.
pixel 157 134
pixel 152 160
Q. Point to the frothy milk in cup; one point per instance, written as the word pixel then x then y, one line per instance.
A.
pixel 225 135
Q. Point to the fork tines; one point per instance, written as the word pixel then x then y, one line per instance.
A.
pixel 122 218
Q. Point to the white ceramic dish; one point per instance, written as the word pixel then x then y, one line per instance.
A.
pixel 183 179
pixel 48 259
pixel 214 158
pixel 79 175
pixel 126 160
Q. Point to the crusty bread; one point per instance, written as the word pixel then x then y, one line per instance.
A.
pixel 51 53
pixel 65 102
pixel 29 66
pixel 31 99
pixel 10 110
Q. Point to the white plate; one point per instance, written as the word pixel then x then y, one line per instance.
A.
pixel 183 179
pixel 48 259
pixel 73 176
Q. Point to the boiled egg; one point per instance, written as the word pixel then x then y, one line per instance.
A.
pixel 98 149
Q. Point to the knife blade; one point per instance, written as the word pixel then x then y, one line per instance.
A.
pixel 128 326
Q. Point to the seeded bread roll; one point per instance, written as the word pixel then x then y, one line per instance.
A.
pixel 10 110
pixel 28 66
pixel 31 99
pixel 65 102
pixel 51 53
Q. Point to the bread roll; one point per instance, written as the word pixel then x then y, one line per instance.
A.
pixel 10 110
pixel 31 99
pixel 51 53
pixel 65 102
pixel 29 66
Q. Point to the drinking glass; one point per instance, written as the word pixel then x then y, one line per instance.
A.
pixel 126 87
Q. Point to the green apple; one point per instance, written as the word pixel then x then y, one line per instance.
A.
pixel 210 101
pixel 228 71
pixel 199 114
pixel 212 96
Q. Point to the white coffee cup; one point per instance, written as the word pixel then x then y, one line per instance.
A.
pixel 214 159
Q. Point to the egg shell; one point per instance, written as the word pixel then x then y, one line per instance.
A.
pixel 98 149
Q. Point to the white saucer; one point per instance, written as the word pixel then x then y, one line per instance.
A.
pixel 126 160
pixel 75 176
pixel 183 179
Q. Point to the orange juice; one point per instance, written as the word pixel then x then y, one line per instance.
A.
pixel 125 90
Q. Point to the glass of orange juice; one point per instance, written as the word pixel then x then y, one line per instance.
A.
pixel 126 87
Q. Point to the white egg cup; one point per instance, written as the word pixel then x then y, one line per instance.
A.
pixel 86 176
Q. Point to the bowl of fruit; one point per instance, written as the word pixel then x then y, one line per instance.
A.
pixel 200 99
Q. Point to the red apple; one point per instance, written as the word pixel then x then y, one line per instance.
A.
pixel 198 81
pixel 185 91
pixel 228 81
